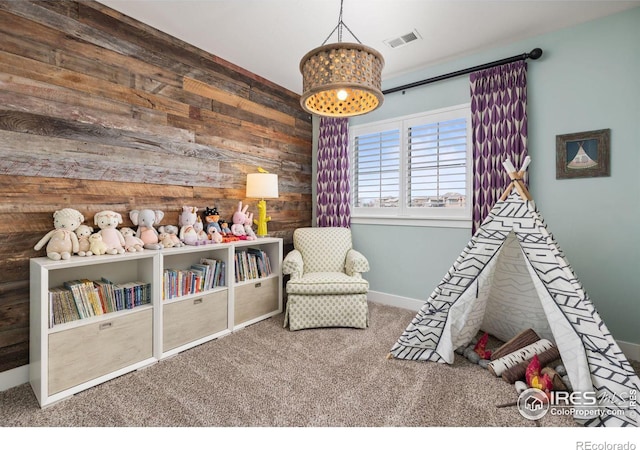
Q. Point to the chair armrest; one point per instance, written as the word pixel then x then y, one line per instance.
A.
pixel 293 264
pixel 355 263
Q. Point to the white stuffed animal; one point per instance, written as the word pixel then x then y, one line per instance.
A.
pixel 187 220
pixel 165 239
pixel 248 228
pixel 84 246
pixel 131 242
pixel 62 242
pixel 170 233
pixel 108 221
pixel 199 227
pixel 98 247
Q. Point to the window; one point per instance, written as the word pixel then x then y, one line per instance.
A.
pixel 412 168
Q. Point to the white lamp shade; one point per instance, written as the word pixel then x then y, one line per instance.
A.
pixel 262 185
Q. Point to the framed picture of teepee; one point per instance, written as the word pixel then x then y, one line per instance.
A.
pixel 583 155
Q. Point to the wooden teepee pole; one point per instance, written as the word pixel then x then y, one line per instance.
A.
pixel 516 179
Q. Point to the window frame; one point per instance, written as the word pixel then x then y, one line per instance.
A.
pixel 404 214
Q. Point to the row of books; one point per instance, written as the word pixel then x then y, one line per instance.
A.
pixel 80 299
pixel 251 264
pixel 210 273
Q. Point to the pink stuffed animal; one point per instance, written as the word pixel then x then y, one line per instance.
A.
pixel 108 221
pixel 239 218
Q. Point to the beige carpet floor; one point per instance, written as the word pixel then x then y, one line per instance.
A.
pixel 267 376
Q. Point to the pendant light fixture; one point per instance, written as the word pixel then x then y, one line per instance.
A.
pixel 341 79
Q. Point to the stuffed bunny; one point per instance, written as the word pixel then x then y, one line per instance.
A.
pixel 239 218
pixel 62 241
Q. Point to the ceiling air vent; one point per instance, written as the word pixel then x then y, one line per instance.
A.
pixel 403 40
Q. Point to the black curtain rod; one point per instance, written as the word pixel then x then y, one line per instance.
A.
pixel 534 54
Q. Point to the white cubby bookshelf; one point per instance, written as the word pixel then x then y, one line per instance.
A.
pixel 73 356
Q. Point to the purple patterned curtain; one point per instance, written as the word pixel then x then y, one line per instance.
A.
pixel 333 173
pixel 499 122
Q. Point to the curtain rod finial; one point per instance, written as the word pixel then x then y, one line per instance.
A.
pixel 535 53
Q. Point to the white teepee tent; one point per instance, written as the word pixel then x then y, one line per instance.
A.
pixel 512 276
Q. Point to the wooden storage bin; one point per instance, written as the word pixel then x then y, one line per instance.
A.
pixel 188 320
pixel 255 299
pixel 89 351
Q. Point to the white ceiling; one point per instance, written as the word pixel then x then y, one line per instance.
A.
pixel 269 37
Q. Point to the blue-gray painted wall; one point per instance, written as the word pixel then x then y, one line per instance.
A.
pixel 587 79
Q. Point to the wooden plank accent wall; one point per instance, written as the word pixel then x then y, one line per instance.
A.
pixel 99 111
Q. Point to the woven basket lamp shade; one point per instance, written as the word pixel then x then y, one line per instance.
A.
pixel 341 80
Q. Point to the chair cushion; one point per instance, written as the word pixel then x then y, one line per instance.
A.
pixel 323 249
pixel 318 283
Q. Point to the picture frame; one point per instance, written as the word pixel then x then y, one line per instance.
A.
pixel 583 155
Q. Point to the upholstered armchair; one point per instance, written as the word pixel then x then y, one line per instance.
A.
pixel 325 288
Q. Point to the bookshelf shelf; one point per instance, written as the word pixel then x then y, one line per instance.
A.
pixel 68 357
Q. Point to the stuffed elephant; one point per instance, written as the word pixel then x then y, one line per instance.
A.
pixel 146 219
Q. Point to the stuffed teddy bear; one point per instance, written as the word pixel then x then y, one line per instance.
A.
pixel 108 221
pixel 211 217
pixel 97 246
pixel 239 217
pixel 145 219
pixel 84 246
pixel 62 242
pixel 187 219
pixel 131 242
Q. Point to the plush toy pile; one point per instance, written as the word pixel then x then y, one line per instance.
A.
pixel 71 236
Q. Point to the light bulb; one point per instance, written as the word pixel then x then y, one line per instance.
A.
pixel 342 95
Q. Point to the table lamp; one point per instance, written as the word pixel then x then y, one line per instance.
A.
pixel 262 185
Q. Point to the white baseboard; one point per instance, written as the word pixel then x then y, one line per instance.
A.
pixel 630 349
pixel 14 377
pixel 395 300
